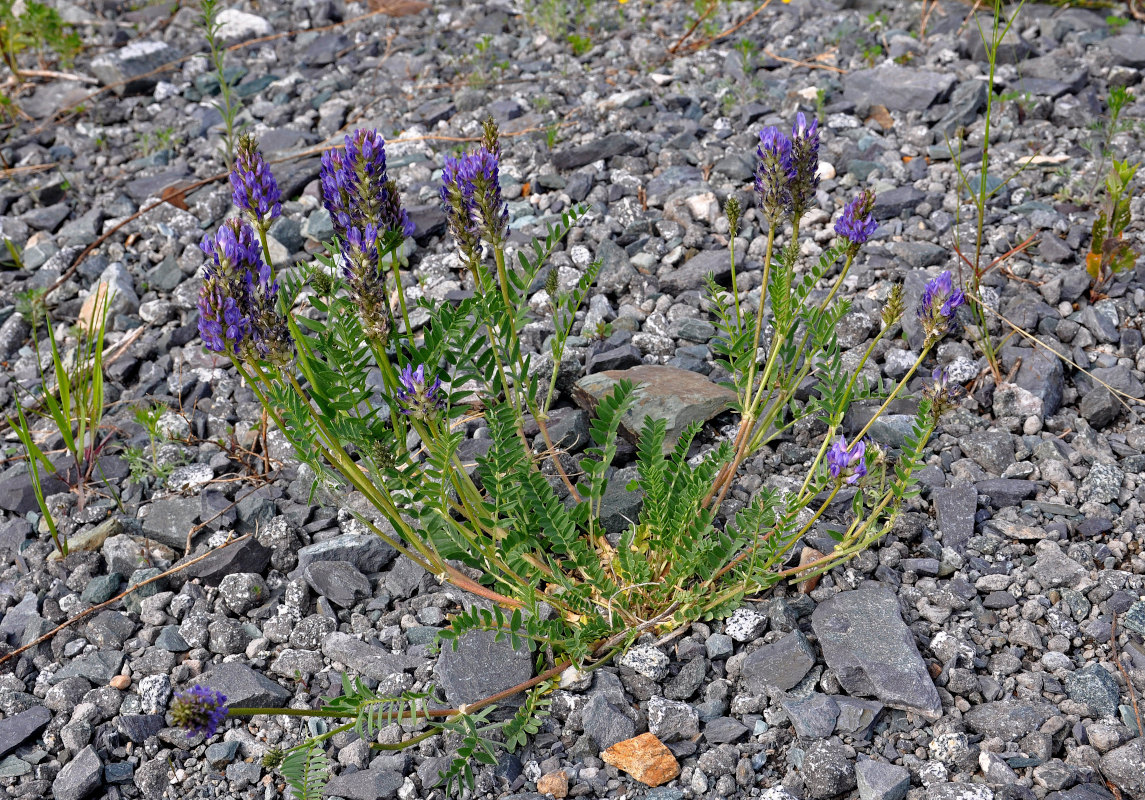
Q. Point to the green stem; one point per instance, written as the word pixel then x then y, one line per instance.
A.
pixel 893 394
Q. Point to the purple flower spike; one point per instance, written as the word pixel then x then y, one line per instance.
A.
pixel 238 302
pixel 805 161
pixel 416 398
pixel 775 174
pixel 199 710
pixel 858 224
pixel 457 196
pixel 356 190
pixel 847 464
pixel 254 188
pixel 940 300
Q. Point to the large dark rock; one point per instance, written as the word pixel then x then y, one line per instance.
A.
pixel 170 519
pixel 693 273
pixel 872 651
pixel 17 494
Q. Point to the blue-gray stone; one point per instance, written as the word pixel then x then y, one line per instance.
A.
pixel 1096 688
pixel 19 728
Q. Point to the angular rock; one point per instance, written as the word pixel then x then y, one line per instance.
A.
pixel 991 450
pixel 676 395
pixel 1126 50
pixel 612 144
pixel 170 519
pixel 1009 719
pixel 723 730
pixel 778 666
pixel 372 662
pixel 98 666
pixel 367 553
pixel 1123 768
pixel 1004 492
pixel 1095 687
pixel 366 784
pixel 19 728
pixel 955 509
pixel 826 770
pixel 340 582
pixel 248 556
pixel 481 666
pixel 238 26
pixel 693 273
pixel 878 780
pixel 671 720
pixel 605 723
pixel 124 69
pixel 244 687
pixel 872 651
pixel 893 202
pixel 897 88
pixel 647 661
pixel 1055 569
pixel 80 777
pixel 857 717
pixel 814 716
pixel 645 758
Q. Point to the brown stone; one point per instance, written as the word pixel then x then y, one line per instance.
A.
pixel 645 758
pixel 677 395
pixel 555 783
pixel 120 682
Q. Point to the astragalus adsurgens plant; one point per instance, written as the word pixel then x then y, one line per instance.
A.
pixel 519 531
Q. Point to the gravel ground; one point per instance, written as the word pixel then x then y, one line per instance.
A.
pixel 969 656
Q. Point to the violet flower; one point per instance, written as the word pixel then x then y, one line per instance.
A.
pixel 457 192
pixel 775 174
pixel 199 710
pixel 254 189
pixel 418 400
pixel 238 301
pixel 847 464
pixel 356 190
pixel 805 161
pixel 858 224
pixel 940 300
pixel 367 284
pixel 942 393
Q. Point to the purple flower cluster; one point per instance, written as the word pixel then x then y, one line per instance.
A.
pixel 366 283
pixel 942 393
pixel 940 301
pixel 805 159
pixel 858 224
pixel 788 172
pixel 847 464
pixel 238 301
pixel 356 190
pixel 471 195
pixel 199 710
pixel 775 174
pixel 419 400
pixel 254 189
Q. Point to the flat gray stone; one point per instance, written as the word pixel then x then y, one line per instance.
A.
pixel 1096 688
pixel 897 88
pixel 98 666
pixel 778 666
pixel 1009 719
pixel 879 780
pixel 1123 768
pixel 826 769
pixel 243 687
pixel 19 728
pixel 340 582
pixel 369 661
pixel 367 553
pixel 481 666
pixel 872 651
pixel 955 509
pixel 676 395
pixel 814 716
pixel 80 777
pixel 366 784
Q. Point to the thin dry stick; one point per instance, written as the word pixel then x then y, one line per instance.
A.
pixel 712 6
pixel 729 31
pixel 88 612
pixel 1125 674
pixel 64 76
